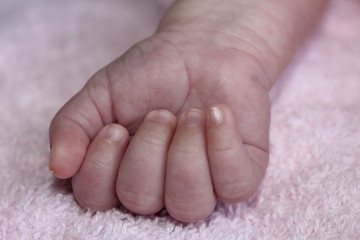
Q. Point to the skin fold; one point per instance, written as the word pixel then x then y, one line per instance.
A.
pixel 194 98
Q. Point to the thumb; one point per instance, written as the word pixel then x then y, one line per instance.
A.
pixel 77 122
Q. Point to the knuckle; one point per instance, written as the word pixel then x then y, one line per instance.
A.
pixel 234 192
pixel 89 203
pixel 187 210
pixel 99 162
pixel 139 202
pixel 222 148
pixel 88 196
pixel 190 150
pixel 223 145
pixel 260 159
pixel 153 138
pixel 99 81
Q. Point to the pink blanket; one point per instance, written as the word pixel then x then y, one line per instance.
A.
pixel 48 49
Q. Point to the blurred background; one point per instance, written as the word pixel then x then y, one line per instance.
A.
pixel 50 48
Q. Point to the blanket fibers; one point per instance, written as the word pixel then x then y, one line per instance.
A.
pixel 48 49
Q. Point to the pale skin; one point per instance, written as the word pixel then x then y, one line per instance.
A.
pixel 194 97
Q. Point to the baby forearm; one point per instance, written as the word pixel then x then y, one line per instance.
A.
pixel 269 30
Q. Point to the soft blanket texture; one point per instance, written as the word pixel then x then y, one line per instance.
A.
pixel 48 49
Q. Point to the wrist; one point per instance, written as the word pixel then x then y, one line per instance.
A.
pixel 226 25
pixel 267 31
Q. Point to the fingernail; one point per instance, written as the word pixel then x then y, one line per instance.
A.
pixel 113 134
pixel 216 115
pixel 193 118
pixel 51 171
pixel 160 116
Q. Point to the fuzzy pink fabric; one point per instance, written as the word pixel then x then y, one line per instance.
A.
pixel 48 49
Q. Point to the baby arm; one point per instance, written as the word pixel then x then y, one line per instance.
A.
pixel 209 67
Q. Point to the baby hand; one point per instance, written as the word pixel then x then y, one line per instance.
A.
pixel 184 166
